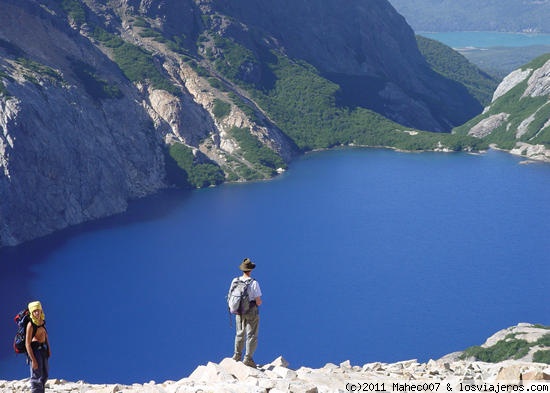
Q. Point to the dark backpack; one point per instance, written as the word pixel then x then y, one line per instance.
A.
pixel 237 298
pixel 22 319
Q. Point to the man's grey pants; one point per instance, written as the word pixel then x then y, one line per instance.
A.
pixel 247 327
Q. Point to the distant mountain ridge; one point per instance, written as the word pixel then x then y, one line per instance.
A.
pixel 529 16
pixel 455 66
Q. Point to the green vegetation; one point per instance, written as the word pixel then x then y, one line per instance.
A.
pixel 454 66
pixel 216 83
pixel 544 340
pixel 137 64
pixel 247 109
pixel 234 60
pixel 140 22
pixel 263 158
pixel 151 33
pixel 33 67
pixel 37 69
pixel 509 348
pixel 538 62
pixel 221 108
pixel 200 70
pixel 303 104
pixel 542 356
pixel 40 69
pixel 96 87
pixel 75 11
pixel 199 174
pixel 292 94
pixel 106 38
pixel 503 350
pixel 175 44
pixel 519 108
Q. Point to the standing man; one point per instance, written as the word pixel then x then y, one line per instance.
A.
pixel 38 347
pixel 247 324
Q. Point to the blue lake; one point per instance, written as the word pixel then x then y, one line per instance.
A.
pixel 487 39
pixel 362 254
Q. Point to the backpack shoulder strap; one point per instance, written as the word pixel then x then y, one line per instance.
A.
pixel 233 285
pixel 247 281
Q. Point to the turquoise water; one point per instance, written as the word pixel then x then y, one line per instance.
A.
pixel 362 254
pixel 477 39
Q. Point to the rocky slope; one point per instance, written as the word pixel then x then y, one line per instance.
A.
pixel 95 95
pixel 448 374
pixel 232 377
pixel 518 118
pixel 70 149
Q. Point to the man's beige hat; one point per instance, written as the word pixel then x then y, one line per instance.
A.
pixel 247 265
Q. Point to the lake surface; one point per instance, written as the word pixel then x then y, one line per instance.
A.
pixel 477 39
pixel 362 254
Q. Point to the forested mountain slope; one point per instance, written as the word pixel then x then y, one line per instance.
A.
pixel 102 102
pixel 518 117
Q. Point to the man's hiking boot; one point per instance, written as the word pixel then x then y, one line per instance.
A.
pixel 237 357
pixel 249 362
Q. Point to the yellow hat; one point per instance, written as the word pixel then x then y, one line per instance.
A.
pixel 36 306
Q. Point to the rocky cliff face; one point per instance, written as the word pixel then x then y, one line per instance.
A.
pixel 65 157
pixel 518 118
pixel 93 94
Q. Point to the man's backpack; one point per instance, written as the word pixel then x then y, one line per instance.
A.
pixel 237 298
pixel 22 319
